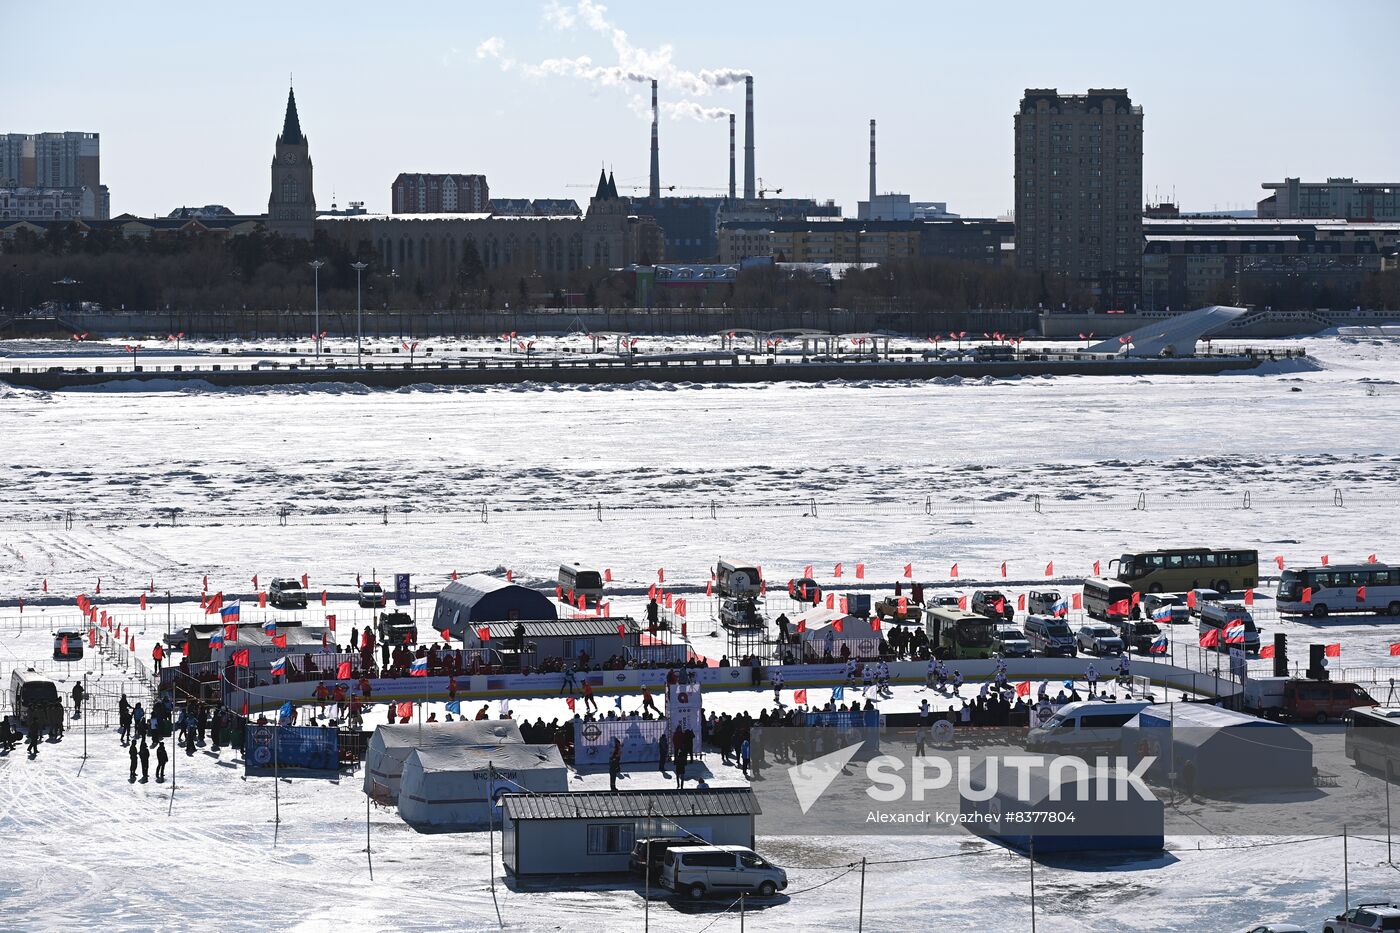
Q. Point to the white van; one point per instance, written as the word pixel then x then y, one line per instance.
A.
pixel 700 870
pixel 581 581
pixel 1085 724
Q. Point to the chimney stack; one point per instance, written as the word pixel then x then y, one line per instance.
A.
pixel 655 190
pixel 731 157
pixel 749 189
pixel 872 168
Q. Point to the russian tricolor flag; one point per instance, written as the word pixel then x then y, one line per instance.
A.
pixel 1061 607
pixel 1234 632
pixel 230 612
pixel 419 668
pixel 279 667
pixel 1162 614
pixel 269 627
pixel 1159 645
pixel 216 640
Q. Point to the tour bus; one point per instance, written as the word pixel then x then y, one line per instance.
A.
pixel 1219 615
pixel 1180 569
pixel 1337 588
pixel 737 578
pixel 956 633
pixel 1108 600
pixel 576 579
pixel 1373 739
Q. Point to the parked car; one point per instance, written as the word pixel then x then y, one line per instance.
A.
pixel 941 602
pixel 1203 595
pixel 1137 636
pixel 1051 636
pixel 397 628
pixel 1042 602
pixel 1175 602
pixel 655 848
pixel 68 645
pixel 1366 917
pixel 1099 638
pixel 1275 928
pixel 992 604
pixel 805 590
pixel 1010 642
pixel 287 594
pixel 696 871
pixel 372 596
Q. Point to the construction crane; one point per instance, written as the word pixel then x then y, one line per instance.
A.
pixel 664 188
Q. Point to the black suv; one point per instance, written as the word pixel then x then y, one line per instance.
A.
pixel 984 603
pixel 397 628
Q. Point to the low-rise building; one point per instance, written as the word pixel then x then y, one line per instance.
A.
pixel 1340 198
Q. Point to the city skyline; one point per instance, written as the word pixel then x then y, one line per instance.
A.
pixel 535 97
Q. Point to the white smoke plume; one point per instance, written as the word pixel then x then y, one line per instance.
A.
pixel 634 64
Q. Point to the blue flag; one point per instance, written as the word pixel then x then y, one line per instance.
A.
pixel 454 706
pixel 838 693
pixel 617 701
pixel 285 712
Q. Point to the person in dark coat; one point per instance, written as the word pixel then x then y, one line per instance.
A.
pixel 145 754
pixel 615 763
pixel 33 728
pixel 663 751
pixel 78 694
pixel 131 748
pixel 124 714
pixel 162 756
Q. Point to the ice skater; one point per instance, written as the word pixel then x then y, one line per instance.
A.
pixel 957 683
pixel 569 682
pixel 776 678
pixel 1091 676
pixel 590 705
pixel 647 702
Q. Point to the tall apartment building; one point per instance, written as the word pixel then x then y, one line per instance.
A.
pixel 50 160
pixel 1079 190
pixel 418 193
pixel 1337 198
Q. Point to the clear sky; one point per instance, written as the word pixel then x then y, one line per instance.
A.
pixel 189 97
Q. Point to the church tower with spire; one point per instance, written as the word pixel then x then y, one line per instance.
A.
pixel 291 208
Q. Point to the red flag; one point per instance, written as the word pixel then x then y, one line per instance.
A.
pixel 1076 601
pixel 831 600
pixel 305 581
pixel 46 584
pixel 801 626
pixel 1278 559
pixel 1395 650
pixel 262 600
pixel 1249 597
pixel 143 602
pixel 231 632
pixel 240 658
pixel 1136 598
pixel 1324 560
pixel 1307 594
pixel 874 623
pixel 839 625
pixel 622 629
pixel 1211 638
pixel 607 574
pixel 330 620
pixel 908 571
pixel 836 571
pixel 1267 651
pixel 245 705
pixel 342 671
pixel 962 602
pixel 21 605
pixel 99 584
pixel 1096 568
pixel 216 602
pixel 1361 594
pixel 131 643
pixel 446 635
pixel 569 701
pixel 559 592
pixel 279 641
pixel 660 574
pixel 483 633
pixel 1191 599
pixel 605 609
pixel 1000 605
pixel 860 571
pixel 808 571
pixel 1333 650
pixel 255 582
pixel 323 597
pixel 709 587
pixel 1021 602
pixel 953 571
pixel 799 697
pixel 903 606
pixel 454 574
pixel 1119 608
pixel 92 638
pixel 63 645
pixel 1370 558
pixel 1050 569
pixel 1023 689
pixel 206 583
pixel 680 608
pixel 405 710
pixel 1003 568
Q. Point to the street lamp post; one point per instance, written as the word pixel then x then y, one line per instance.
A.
pixel 316 265
pixel 359 267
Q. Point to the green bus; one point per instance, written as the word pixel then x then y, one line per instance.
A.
pixel 1177 570
pixel 955 633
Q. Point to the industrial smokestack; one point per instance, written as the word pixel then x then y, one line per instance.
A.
pixel 872 167
pixel 655 146
pixel 731 157
pixel 749 189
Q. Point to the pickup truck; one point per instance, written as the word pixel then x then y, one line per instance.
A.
pixel 397 628
pixel 1303 700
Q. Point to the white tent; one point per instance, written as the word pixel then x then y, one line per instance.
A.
pixel 456 788
pixel 392 744
pixel 817 622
